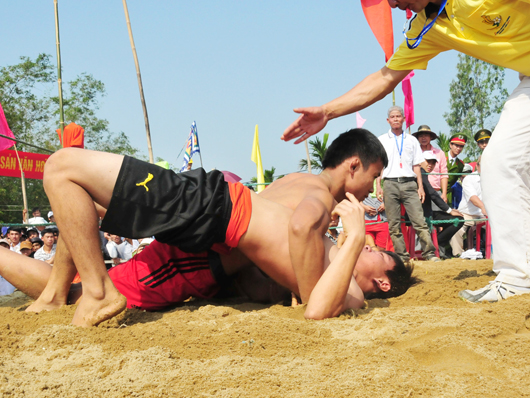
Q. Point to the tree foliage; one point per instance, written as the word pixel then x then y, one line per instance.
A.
pixel 268 176
pixel 317 150
pixel 477 95
pixel 28 97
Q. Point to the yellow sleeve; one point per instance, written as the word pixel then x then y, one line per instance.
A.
pixel 405 58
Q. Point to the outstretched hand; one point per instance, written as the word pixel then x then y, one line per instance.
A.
pixel 310 122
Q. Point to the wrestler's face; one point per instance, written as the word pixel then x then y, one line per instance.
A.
pixel 361 183
pixel 413 5
pixel 369 272
pixel 395 120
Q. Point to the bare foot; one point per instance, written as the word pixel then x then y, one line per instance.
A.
pixel 91 311
pixel 42 304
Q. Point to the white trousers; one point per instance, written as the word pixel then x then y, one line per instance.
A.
pixel 505 181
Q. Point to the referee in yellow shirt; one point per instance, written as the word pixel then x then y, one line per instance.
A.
pixel 493 31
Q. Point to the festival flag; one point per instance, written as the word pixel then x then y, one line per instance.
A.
pixel 74 136
pixel 360 120
pixel 379 16
pixel 256 158
pixel 192 146
pixel 5 130
pixel 409 100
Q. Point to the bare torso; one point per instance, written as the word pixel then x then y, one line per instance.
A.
pixel 266 242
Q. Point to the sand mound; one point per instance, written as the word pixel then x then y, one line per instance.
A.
pixel 425 343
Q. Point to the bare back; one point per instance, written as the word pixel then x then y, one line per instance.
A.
pixel 290 190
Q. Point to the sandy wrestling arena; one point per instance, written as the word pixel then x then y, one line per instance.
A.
pixel 426 343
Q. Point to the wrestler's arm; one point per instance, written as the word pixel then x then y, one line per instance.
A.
pixel 373 88
pixel 337 290
pixel 307 225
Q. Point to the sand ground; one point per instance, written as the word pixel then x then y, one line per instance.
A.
pixel 426 343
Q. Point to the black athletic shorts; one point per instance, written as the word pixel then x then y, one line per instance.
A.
pixel 190 210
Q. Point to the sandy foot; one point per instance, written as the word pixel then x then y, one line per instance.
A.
pixel 92 312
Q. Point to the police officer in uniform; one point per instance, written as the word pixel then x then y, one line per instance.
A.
pixel 482 138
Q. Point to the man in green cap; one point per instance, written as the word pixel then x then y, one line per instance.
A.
pixel 482 138
pixel 454 165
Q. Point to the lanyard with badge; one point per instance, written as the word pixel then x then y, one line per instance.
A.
pixel 400 150
pixel 425 29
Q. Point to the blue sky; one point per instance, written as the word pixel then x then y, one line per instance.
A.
pixel 227 65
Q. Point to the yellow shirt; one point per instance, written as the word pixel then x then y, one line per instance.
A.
pixel 495 31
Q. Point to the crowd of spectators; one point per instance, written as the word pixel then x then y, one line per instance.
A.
pixel 443 197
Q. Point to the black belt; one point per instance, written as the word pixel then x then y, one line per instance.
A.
pixel 401 179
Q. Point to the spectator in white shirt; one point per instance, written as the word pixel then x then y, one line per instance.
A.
pixel 119 249
pixel 47 252
pixel 471 206
pixel 14 236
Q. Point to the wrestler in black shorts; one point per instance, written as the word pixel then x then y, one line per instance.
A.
pixel 189 210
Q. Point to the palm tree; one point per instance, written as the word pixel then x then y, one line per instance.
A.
pixel 268 176
pixel 317 152
pixel 443 142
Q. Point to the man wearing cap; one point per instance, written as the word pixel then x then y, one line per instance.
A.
pixel 482 138
pixel 497 32
pixel 26 248
pixel 51 217
pixel 454 165
pixel 403 185
pixel 438 182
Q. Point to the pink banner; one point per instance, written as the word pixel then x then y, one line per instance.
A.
pixel 409 100
pixel 5 130
pixel 360 120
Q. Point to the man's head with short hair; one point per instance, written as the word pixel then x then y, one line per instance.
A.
pixel 48 237
pixel 395 118
pixel 32 233
pixel 35 212
pixel 14 235
pixel 36 243
pixel 361 156
pixel 382 274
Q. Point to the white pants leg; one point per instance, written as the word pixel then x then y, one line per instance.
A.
pixel 505 179
pixel 457 241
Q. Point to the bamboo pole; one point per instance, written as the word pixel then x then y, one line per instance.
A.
pixel 140 86
pixel 59 76
pixel 23 181
pixel 25 143
pixel 308 158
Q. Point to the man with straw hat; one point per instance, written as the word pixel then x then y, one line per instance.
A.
pixel 438 182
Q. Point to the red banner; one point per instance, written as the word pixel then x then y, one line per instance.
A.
pixel 32 164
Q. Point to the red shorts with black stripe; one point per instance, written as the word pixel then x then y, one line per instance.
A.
pixel 162 275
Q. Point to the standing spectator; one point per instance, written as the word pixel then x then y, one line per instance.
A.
pixel 482 138
pixel 471 206
pixel 438 182
pixel 119 249
pixel 454 165
pixel 14 237
pixel 47 252
pixel 403 185
pixel 51 217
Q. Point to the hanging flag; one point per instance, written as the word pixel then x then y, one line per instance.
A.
pixel 5 130
pixel 74 136
pixel 256 158
pixel 360 120
pixel 409 100
pixel 379 16
pixel 192 146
